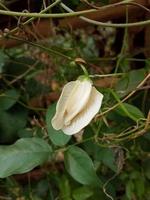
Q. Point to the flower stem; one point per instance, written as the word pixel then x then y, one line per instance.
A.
pixel 84 70
pixel 106 75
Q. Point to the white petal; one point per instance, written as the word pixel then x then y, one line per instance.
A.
pixel 77 99
pixel 58 119
pixel 86 115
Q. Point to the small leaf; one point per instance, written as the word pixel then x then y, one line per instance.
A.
pixel 65 188
pixel 18 66
pixel 35 88
pixel 140 186
pixel 57 137
pixel 99 153
pixel 146 167
pixel 80 166
pixel 3 59
pixel 25 133
pixel 8 99
pixel 107 156
pixel 129 189
pixel 11 122
pixel 23 156
pixel 129 82
pixel 82 193
pixel 134 111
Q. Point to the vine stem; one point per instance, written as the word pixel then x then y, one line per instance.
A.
pixel 84 70
pixel 5 8
pixel 39 46
pixel 113 25
pixel 106 75
pixel 71 13
pixel 51 15
pixel 33 18
pixel 124 47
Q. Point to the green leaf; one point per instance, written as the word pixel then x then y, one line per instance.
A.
pixel 57 137
pixel 8 99
pixel 132 110
pixel 11 122
pixel 23 156
pixel 144 144
pixel 65 188
pixel 26 133
pixel 18 66
pixel 80 166
pixel 82 193
pixel 41 189
pixel 129 189
pixel 140 186
pixel 129 82
pixel 99 153
pixel 107 156
pixel 3 59
pixel 35 88
pixel 146 167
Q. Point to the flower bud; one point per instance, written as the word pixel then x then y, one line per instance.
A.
pixel 79 102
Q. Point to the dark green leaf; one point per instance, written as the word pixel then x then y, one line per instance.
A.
pixel 3 59
pixel 129 189
pixel 25 133
pixel 80 166
pixel 65 188
pixel 102 154
pixel 132 110
pixel 146 167
pixel 107 156
pixel 57 137
pixel 139 186
pixel 130 81
pixel 34 88
pixel 18 66
pixel 23 156
pixel 8 99
pixel 144 143
pixel 82 193
pixel 11 122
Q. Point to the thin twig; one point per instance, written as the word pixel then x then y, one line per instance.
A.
pixel 33 18
pixel 94 22
pixel 39 46
pixel 106 75
pixel 127 97
pixel 5 8
pixel 118 4
pixel 139 5
pixel 24 74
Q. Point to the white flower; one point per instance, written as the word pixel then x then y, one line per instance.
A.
pixel 78 104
